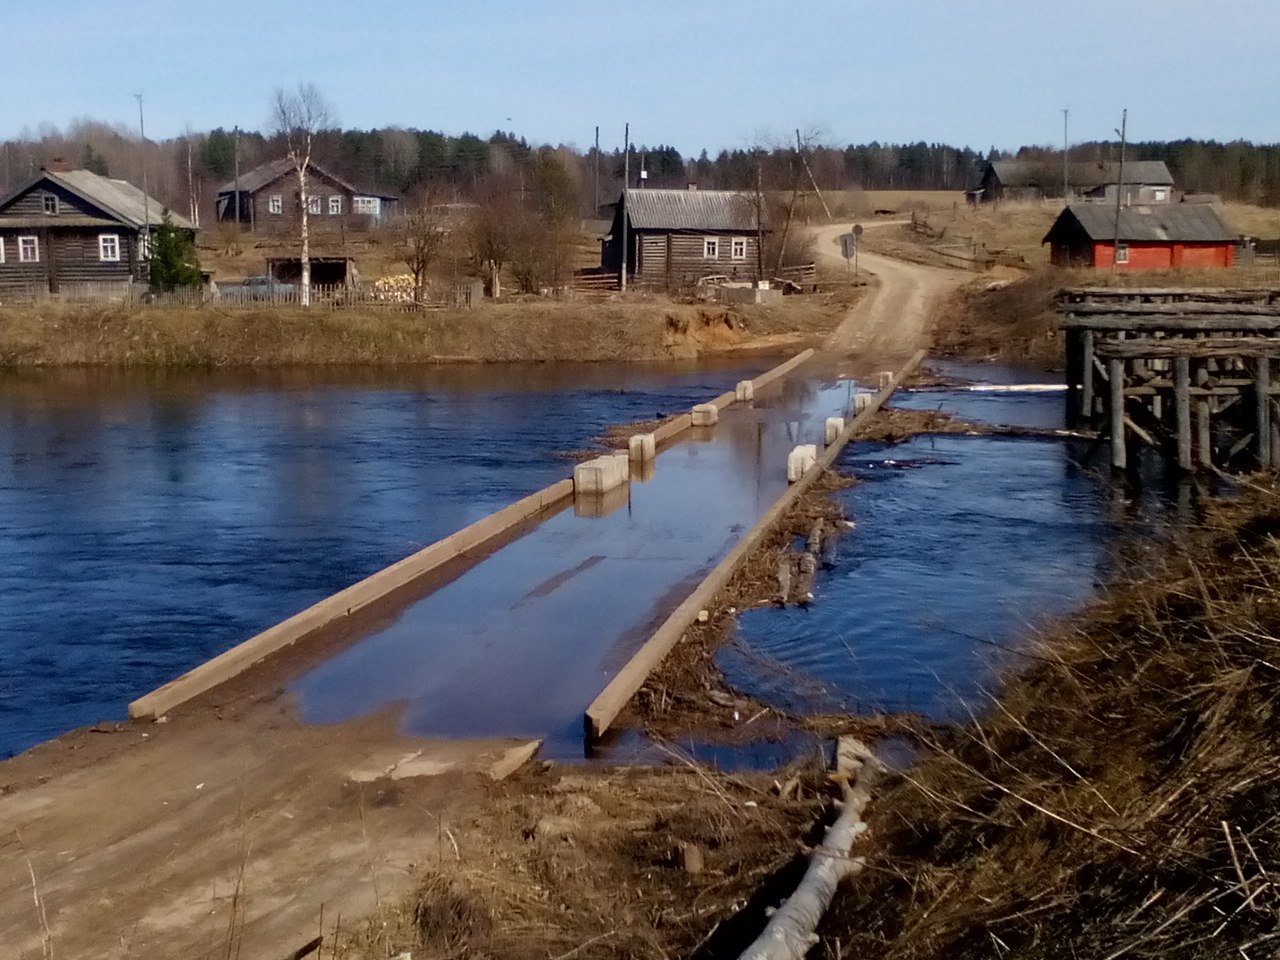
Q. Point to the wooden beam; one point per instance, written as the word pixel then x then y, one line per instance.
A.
pixel 1182 409
pixel 1115 373
pixel 1204 432
pixel 1169 348
pixel 1263 411
pixel 1185 309
pixel 1088 363
pixel 1179 324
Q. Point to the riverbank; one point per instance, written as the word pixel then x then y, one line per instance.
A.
pixel 638 328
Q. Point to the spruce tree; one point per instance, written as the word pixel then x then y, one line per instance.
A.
pixel 173 261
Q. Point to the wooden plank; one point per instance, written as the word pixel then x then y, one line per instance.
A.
pixel 1086 397
pixel 1204 433
pixel 1115 373
pixel 1263 411
pixel 1185 308
pixel 1182 409
pixel 1205 294
pixel 1171 347
pixel 1183 323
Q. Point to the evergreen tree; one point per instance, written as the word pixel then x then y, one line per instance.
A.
pixel 173 261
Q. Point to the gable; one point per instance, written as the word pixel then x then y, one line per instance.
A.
pixel 25 207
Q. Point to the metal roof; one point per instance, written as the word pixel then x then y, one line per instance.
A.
pixel 119 199
pixel 1161 222
pixel 1087 174
pixel 251 181
pixel 691 210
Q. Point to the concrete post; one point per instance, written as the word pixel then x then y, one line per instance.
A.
pixel 601 474
pixel 800 460
pixel 706 415
pixel 886 378
pixel 861 401
pixel 745 391
pixel 832 429
pixel 642 448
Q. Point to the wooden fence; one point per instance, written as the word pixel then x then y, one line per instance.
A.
pixel 235 296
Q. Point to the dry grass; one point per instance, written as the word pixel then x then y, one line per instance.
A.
pixel 634 328
pixel 637 863
pixel 1121 798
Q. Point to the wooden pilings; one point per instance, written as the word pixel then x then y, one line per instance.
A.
pixel 1185 371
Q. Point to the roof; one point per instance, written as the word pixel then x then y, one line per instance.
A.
pixel 1088 174
pixel 691 210
pixel 251 181
pixel 1159 223
pixel 119 199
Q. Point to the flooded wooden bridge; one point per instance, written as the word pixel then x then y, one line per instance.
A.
pixel 1184 371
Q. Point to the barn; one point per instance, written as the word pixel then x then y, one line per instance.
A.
pixel 676 237
pixel 1145 181
pixel 1155 237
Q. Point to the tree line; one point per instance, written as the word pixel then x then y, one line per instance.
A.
pixel 185 172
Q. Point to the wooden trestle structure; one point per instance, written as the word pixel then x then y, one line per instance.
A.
pixel 1189 372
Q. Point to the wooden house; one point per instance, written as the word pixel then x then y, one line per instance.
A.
pixel 676 237
pixel 1145 181
pixel 1155 237
pixel 266 200
pixel 69 230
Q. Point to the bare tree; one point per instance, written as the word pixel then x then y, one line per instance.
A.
pixel 298 116
pixel 421 236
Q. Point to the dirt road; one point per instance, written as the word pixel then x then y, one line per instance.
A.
pixel 892 323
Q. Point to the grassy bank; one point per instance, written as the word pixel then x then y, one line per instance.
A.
pixel 632 329
pixel 1120 798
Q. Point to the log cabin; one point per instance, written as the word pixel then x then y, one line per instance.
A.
pixel 676 237
pixel 1145 181
pixel 268 202
pixel 65 230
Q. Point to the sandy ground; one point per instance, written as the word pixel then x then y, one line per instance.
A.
pixel 232 825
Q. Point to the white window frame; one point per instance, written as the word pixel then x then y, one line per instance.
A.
pixel 710 248
pixel 335 205
pixel 365 205
pixel 275 204
pixel 738 248
pixel 1 249
pixel 1159 193
pixel 108 248
pixel 314 205
pixel 29 249
pixel 46 204
pixel 1122 253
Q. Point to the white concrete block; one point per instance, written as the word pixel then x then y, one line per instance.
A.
pixel 642 448
pixel 861 401
pixel 706 415
pixel 601 474
pixel 832 429
pixel 800 460
pixel 886 378
pixel 745 391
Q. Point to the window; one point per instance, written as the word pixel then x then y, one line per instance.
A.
pixel 28 250
pixel 335 205
pixel 1159 194
pixel 144 245
pixel 710 248
pixel 109 247
pixel 367 205
pixel 313 205
pixel 738 248
pixel 51 204
pixel 1122 253
pixel 1 249
pixel 275 203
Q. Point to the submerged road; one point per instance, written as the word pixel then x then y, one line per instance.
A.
pixel 237 819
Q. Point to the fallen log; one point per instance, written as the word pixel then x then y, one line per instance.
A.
pixel 790 933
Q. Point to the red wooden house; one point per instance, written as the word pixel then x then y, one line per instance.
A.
pixel 1156 237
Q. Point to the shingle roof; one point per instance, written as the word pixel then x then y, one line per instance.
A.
pixel 251 181
pixel 1026 173
pixel 691 210
pixel 120 200
pixel 1174 222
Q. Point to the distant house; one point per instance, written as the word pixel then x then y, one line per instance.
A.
pixel 66 228
pixel 1145 181
pixel 675 237
pixel 1151 237
pixel 266 199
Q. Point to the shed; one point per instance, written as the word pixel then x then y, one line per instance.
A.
pixel 1145 181
pixel 73 231
pixel 1150 237
pixel 675 237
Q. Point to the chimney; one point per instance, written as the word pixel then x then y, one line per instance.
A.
pixel 58 165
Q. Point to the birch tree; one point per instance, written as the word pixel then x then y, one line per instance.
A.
pixel 298 116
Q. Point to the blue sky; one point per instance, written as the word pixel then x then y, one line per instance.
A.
pixel 697 73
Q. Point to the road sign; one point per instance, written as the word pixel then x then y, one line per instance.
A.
pixel 857 230
pixel 848 245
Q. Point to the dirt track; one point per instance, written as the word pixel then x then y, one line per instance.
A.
pixel 892 324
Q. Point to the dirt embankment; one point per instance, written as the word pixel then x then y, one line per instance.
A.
pixel 534 330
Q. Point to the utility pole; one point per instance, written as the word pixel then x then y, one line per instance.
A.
pixel 626 186
pixel 1065 148
pixel 1124 126
pixel 759 224
pixel 596 210
pixel 146 192
pixel 235 152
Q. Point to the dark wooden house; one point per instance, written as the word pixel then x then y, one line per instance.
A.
pixel 265 199
pixel 1161 236
pixel 65 231
pixel 1145 181
pixel 676 237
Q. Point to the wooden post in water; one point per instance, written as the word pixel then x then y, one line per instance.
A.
pixel 1182 409
pixel 1262 383
pixel 1204 433
pixel 1086 361
pixel 1115 371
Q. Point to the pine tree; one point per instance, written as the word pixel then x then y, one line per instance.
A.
pixel 173 261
